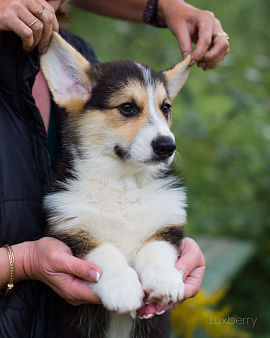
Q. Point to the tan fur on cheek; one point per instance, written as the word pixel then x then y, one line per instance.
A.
pixel 74 105
pixel 128 127
pixel 91 127
pixel 111 124
pixel 124 127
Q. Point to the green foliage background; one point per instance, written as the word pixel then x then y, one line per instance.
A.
pixel 222 125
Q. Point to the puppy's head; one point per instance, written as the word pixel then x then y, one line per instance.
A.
pixel 119 109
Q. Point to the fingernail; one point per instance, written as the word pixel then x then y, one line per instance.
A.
pixel 202 64
pixel 160 312
pixel 207 68
pixel 149 316
pixel 44 50
pixel 185 54
pixel 192 63
pixel 182 273
pixel 94 276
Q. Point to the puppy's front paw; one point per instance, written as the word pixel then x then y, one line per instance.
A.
pixel 163 284
pixel 120 292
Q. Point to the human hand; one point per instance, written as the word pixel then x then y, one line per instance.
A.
pixel 17 15
pixel 190 24
pixel 192 266
pixel 51 261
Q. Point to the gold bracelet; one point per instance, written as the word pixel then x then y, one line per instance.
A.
pixel 10 284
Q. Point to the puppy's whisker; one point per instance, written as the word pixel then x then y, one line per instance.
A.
pixel 177 155
pixel 96 158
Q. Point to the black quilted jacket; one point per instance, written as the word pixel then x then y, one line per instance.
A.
pixel 24 171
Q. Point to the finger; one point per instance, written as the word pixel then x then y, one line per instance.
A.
pixel 83 293
pixel 23 31
pixel 52 7
pixel 219 47
pixel 162 309
pixel 216 62
pixel 36 27
pixel 205 33
pixel 50 23
pixel 46 14
pixel 218 51
pixel 191 257
pixel 80 268
pixel 38 5
pixel 47 19
pixel 184 40
pixel 149 311
pixel 77 292
pixel 141 311
pixel 212 65
pixel 193 285
pixel 55 24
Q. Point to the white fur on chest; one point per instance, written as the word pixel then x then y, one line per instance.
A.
pixel 124 216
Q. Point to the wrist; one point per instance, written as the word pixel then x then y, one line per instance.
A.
pixel 22 263
pixel 150 14
pixel 167 7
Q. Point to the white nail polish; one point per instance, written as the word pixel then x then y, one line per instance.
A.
pixel 149 316
pixel 97 277
pixel 160 312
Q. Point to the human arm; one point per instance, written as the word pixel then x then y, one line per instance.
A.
pixel 51 261
pixel 192 266
pixel 187 23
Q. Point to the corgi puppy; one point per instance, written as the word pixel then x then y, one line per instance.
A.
pixel 113 203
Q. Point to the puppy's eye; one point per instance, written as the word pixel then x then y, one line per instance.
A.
pixel 166 108
pixel 129 109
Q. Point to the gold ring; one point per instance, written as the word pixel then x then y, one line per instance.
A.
pixel 40 11
pixel 221 34
pixel 31 24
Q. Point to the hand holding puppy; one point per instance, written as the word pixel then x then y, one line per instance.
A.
pixel 32 20
pixel 190 24
pixel 192 265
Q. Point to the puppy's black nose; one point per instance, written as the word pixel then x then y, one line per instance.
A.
pixel 163 146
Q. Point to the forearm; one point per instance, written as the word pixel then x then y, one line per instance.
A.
pixel 131 10
pixel 21 252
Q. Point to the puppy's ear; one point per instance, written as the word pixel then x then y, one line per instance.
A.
pixel 67 74
pixel 176 76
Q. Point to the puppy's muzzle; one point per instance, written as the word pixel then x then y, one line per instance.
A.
pixel 163 147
